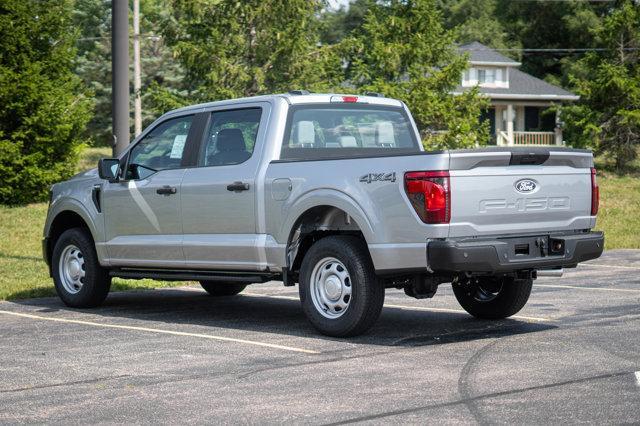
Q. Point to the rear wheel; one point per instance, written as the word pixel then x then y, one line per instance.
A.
pixel 492 297
pixel 79 279
pixel 219 289
pixel 339 290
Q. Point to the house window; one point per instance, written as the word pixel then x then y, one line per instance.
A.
pixel 486 76
pixel 466 78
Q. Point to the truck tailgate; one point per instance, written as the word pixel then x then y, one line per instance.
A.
pixel 520 190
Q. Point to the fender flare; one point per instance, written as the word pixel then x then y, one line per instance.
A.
pixel 331 198
pixel 74 206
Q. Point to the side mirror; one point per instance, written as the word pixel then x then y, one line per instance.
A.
pixel 108 169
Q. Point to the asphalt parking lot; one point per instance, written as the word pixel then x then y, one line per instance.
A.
pixel 179 356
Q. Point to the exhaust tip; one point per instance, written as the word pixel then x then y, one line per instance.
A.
pixel 550 272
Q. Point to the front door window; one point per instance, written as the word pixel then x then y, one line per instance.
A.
pixel 160 149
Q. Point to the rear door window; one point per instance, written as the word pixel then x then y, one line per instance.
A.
pixel 231 137
pixel 334 131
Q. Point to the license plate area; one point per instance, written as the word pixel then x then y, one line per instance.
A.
pixel 535 247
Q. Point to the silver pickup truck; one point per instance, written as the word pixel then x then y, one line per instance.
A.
pixel 333 192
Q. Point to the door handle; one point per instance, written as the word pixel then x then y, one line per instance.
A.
pixel 167 190
pixel 238 186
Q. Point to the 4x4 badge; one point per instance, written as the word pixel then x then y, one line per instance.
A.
pixel 378 177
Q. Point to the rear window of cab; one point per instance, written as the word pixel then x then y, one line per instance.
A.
pixel 346 131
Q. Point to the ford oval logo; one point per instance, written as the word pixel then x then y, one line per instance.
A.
pixel 526 186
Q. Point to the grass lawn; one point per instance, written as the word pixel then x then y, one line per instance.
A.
pixel 619 213
pixel 23 273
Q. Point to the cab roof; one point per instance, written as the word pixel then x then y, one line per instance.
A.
pixel 297 99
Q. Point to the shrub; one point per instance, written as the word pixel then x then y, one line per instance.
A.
pixel 42 105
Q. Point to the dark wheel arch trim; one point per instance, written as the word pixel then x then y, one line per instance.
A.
pixel 63 221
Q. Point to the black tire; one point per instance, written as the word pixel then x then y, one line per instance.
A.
pixel 366 290
pixel 96 280
pixel 219 289
pixel 493 298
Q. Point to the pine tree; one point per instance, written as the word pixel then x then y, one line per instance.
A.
pixel 608 115
pixel 235 49
pixel 43 109
pixel 336 24
pixel 403 51
pixel 164 86
pixel 93 65
pixel 162 76
pixel 476 20
pixel 553 24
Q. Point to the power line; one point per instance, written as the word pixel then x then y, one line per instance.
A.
pixel 567 1
pixel 156 37
pixel 559 50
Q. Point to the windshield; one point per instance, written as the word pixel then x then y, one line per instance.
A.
pixel 347 130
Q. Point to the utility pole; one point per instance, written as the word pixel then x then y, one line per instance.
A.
pixel 120 74
pixel 137 84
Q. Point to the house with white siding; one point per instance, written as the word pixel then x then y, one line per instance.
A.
pixel 519 101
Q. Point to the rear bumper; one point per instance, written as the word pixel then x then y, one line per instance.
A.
pixel 498 255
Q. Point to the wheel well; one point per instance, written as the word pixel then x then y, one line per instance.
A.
pixel 314 224
pixel 63 221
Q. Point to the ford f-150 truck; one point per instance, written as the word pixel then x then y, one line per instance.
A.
pixel 333 192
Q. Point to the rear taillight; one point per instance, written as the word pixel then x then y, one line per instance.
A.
pixel 430 195
pixel 595 193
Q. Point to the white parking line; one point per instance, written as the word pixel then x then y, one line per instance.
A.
pixel 161 331
pixel 638 378
pixel 604 265
pixel 411 308
pixel 624 290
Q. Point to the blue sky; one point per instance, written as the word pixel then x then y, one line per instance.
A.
pixel 337 3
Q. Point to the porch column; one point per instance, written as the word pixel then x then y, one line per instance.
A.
pixel 510 117
pixel 558 129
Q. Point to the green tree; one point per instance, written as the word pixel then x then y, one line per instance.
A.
pixel 608 115
pixel 164 86
pixel 42 106
pixel 93 65
pixel 233 49
pixel 403 51
pixel 335 25
pixel 162 75
pixel 476 20
pixel 550 25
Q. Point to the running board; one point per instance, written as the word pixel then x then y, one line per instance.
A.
pixel 190 275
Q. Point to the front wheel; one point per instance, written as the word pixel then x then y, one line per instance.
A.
pixel 339 290
pixel 492 297
pixel 79 279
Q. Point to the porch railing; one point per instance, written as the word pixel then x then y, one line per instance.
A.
pixel 527 138
pixel 533 138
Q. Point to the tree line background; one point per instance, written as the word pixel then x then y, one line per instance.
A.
pixel 55 69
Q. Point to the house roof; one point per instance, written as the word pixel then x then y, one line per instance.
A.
pixel 522 86
pixel 481 54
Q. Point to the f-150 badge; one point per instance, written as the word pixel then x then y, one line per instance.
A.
pixel 378 177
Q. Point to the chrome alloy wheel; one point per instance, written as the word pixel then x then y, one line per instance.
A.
pixel 72 270
pixel 330 288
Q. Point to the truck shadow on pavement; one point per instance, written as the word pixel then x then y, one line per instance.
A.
pixel 397 327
